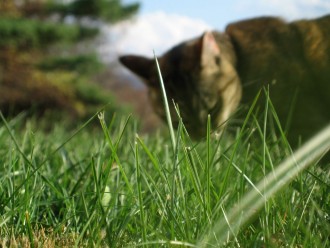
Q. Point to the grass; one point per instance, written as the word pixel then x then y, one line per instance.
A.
pixel 102 185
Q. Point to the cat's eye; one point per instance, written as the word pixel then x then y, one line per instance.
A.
pixel 217 60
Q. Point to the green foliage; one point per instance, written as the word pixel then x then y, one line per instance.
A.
pixel 85 63
pixel 109 10
pixel 29 34
pixel 40 67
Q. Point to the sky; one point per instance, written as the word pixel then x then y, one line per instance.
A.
pixel 217 13
pixel 160 24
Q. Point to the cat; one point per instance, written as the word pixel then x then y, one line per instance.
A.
pixel 216 72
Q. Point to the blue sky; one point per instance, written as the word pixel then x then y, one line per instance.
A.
pixel 218 13
pixel 203 9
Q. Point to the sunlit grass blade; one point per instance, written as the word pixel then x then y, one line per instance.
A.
pixel 176 175
pixel 166 106
pixel 269 186
pixel 113 147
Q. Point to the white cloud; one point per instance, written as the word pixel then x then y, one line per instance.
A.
pixel 159 30
pixel 155 31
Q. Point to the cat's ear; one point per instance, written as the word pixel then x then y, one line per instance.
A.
pixel 210 51
pixel 139 65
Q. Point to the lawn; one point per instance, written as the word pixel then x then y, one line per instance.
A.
pixel 101 184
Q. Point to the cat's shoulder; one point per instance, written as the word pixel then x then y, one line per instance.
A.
pixel 255 24
pixel 271 23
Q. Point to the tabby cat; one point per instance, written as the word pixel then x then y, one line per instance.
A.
pixel 216 72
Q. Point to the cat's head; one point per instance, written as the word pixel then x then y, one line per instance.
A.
pixel 197 75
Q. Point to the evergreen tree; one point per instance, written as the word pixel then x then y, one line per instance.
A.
pixel 40 67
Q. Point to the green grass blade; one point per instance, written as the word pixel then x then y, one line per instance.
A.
pixel 167 109
pixel 276 180
pixel 140 198
pixel 208 165
pixel 36 168
pixel 249 114
pixel 113 147
pixel 29 229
